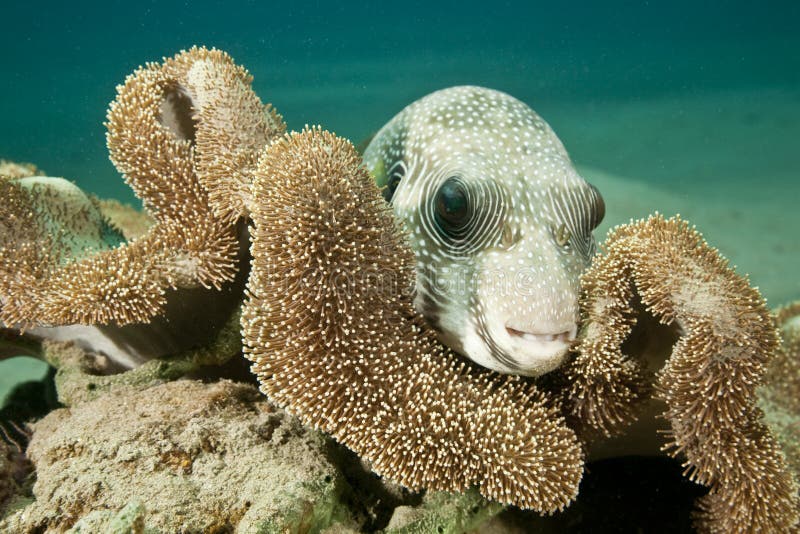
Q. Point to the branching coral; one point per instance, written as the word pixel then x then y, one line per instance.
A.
pixel 332 332
pixel 727 338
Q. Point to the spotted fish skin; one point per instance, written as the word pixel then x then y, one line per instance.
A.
pixel 500 222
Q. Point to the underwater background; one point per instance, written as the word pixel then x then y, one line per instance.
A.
pixel 681 107
pixel 676 106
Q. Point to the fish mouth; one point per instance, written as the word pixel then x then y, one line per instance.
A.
pixel 564 336
pixel 534 353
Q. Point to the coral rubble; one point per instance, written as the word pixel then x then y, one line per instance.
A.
pixel 195 457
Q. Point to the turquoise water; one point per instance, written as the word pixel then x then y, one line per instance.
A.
pixel 351 66
pixel 694 108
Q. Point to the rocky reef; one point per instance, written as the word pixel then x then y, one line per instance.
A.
pixel 194 456
pixel 155 451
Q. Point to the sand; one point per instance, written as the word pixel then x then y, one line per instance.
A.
pixel 753 229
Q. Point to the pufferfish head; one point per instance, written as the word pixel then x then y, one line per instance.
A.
pixel 500 222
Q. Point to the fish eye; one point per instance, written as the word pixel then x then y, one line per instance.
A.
pixel 598 208
pixel 452 206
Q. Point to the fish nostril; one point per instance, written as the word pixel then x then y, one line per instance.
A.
pixel 510 236
pixel 562 235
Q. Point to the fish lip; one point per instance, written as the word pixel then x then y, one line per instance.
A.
pixel 566 336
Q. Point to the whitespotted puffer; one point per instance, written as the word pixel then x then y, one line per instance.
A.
pixel 499 219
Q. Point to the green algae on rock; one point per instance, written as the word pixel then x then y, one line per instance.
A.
pixel 83 376
pixel 128 520
pixel 779 396
pixel 14 476
pixel 443 513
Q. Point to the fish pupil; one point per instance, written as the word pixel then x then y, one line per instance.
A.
pixel 452 207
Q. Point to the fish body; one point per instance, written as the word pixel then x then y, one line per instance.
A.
pixel 500 222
